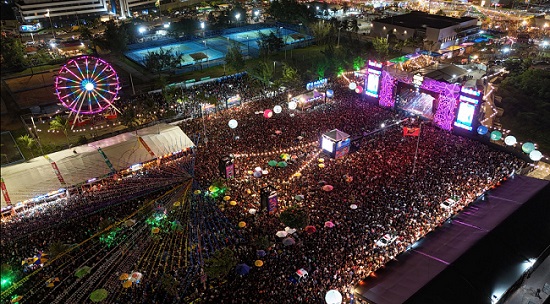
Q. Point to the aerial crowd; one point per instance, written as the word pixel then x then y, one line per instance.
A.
pixel 389 185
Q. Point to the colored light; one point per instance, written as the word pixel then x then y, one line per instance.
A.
pixel 89 86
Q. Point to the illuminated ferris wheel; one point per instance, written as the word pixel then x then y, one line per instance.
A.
pixel 87 85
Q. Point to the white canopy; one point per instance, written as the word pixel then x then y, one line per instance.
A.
pixel 37 176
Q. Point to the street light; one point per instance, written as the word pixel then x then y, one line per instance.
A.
pixel 202 28
pixel 51 24
pixel 237 16
pixel 142 30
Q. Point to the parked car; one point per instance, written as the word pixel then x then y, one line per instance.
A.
pixel 448 204
pixel 298 276
pixel 386 240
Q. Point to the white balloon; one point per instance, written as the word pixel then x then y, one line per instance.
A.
pixel 333 297
pixel 535 155
pixel 258 169
pixel 277 109
pixel 510 140
pixel 352 86
pixel 292 105
pixel 233 123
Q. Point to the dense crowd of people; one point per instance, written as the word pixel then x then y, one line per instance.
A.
pixel 390 198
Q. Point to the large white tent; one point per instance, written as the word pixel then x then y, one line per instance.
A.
pixel 37 176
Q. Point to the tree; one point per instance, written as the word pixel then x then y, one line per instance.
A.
pixel 290 75
pixel 27 142
pixel 85 33
pixel 358 63
pixel 234 58
pixel 269 43
pixel 381 46
pixel 263 71
pixel 162 60
pixel 294 217
pixel 129 117
pixel 13 53
pixel 60 123
pixel 220 264
pixel 115 38
pixel 322 31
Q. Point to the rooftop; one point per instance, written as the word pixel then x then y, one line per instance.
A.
pixel 417 19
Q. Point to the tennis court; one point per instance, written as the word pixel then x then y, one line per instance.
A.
pixel 215 47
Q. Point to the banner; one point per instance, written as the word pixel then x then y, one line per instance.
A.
pixel 5 192
pixel 58 173
pixel 146 147
pixel 107 161
pixel 411 131
pixel 55 169
pixel 272 202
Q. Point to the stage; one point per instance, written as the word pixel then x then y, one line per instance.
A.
pixel 473 258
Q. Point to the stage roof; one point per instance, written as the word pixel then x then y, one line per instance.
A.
pixel 417 19
pixel 336 135
pixel 474 255
pixel 36 176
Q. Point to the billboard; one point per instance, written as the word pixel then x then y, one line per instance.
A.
pixel 468 104
pixel 372 81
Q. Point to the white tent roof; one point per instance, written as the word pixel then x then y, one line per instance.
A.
pixel 37 177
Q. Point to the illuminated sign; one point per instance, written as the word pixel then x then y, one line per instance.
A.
pixel 470 91
pixel 27 28
pixel 469 100
pixel 372 85
pixel 316 84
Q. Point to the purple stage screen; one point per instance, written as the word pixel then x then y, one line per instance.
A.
pixel 416 101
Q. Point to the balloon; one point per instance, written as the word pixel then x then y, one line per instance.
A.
pixel 528 147
pixel 277 109
pixel 359 90
pixel 258 169
pixel 535 155
pixel 292 105
pixel 482 130
pixel 510 140
pixel 330 93
pixel 268 113
pixel 233 123
pixel 333 297
pixel 242 224
pixel 496 135
pixel 352 86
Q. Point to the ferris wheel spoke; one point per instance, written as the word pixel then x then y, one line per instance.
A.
pixel 76 101
pixel 80 70
pixel 70 94
pixel 107 91
pixel 87 69
pixel 68 79
pixel 76 76
pixel 97 101
pixel 101 72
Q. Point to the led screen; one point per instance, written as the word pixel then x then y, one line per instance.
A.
pixel 327 145
pixel 372 84
pixel 465 116
pixel 417 101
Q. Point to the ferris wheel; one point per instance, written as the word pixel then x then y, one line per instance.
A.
pixel 87 85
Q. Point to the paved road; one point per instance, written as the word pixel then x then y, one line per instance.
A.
pixel 527 293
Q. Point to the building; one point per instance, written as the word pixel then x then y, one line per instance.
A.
pixel 47 10
pixel 439 32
